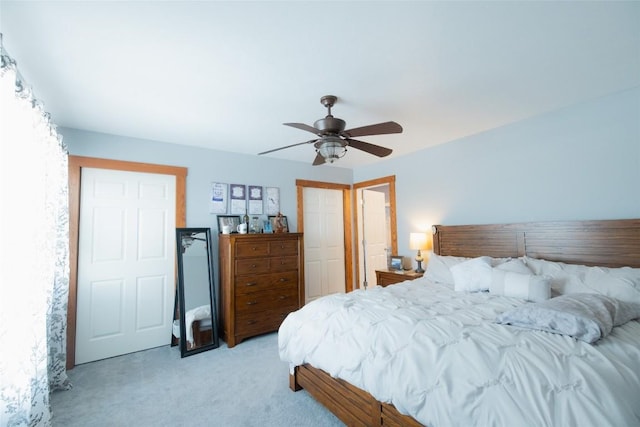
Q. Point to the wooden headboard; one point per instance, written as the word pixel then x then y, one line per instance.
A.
pixel 608 243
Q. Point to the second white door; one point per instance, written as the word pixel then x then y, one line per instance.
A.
pixel 126 254
pixel 372 223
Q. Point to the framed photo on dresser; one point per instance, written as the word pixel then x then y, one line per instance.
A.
pixel 228 224
pixel 396 263
pixel 279 224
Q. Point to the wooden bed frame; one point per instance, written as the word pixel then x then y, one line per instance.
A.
pixel 608 243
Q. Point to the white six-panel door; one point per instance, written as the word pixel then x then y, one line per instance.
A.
pixel 126 254
pixel 323 242
pixel 373 230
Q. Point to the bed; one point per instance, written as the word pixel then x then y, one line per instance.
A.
pixel 484 372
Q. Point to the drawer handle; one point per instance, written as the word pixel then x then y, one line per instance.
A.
pixel 253 248
pixel 251 284
pixel 251 322
pixel 283 279
pixel 282 297
pixel 252 302
pixel 253 266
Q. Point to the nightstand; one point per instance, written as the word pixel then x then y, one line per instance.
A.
pixel 388 277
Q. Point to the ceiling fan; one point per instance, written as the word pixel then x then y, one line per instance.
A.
pixel 332 141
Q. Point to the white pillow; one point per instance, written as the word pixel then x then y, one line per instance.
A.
pixel 587 317
pixel 565 278
pixel 501 261
pixel 621 283
pixel 438 267
pixel 518 285
pixel 472 275
pixel 515 265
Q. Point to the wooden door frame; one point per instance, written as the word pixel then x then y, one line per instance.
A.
pixel 301 184
pixel 76 163
pixel 391 181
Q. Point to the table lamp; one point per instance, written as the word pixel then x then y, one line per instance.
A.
pixel 418 241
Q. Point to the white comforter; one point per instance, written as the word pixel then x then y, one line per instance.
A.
pixel 437 355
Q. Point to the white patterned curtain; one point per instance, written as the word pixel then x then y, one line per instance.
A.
pixel 34 262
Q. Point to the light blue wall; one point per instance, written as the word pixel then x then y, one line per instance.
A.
pixel 581 162
pixel 207 166
pixel 204 167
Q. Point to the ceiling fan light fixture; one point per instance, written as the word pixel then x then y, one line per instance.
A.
pixel 331 148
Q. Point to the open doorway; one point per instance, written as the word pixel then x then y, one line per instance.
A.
pixel 376 227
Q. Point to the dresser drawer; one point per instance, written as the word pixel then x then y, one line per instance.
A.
pixel 284 263
pixel 283 247
pixel 258 323
pixel 263 282
pixel 253 265
pixel 267 300
pixel 252 249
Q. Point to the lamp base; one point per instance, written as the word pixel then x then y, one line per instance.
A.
pixel 419 269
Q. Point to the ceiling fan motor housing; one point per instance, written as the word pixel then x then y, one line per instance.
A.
pixel 329 126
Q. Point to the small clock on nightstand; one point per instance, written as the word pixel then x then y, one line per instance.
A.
pixel 388 277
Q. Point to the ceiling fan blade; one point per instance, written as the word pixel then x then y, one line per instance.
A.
pixel 319 160
pixel 376 150
pixel 287 146
pixel 377 129
pixel 302 126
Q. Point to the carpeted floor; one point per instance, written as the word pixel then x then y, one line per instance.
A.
pixel 247 385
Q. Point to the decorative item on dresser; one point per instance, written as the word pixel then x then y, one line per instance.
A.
pixel 386 277
pixel 396 263
pixel 262 280
pixel 279 223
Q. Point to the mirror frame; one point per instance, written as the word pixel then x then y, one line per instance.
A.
pixel 180 232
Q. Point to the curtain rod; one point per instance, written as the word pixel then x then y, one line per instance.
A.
pixel 25 91
pixel 21 84
pixel 7 60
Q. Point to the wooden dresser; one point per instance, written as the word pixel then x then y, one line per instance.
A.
pixel 261 281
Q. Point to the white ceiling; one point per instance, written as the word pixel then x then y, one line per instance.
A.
pixel 226 74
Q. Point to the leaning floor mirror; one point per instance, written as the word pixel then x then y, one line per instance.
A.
pixel 196 298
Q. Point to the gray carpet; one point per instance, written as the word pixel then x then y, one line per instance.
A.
pixel 247 385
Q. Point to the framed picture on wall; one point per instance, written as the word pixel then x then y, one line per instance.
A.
pixel 255 200
pixel 218 198
pixel 272 200
pixel 238 199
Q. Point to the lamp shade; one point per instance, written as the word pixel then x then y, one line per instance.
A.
pixel 418 241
